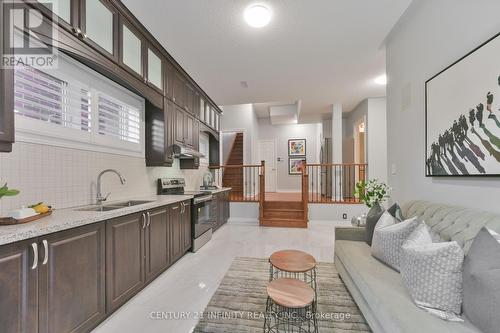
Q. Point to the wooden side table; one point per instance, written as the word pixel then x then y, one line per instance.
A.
pixel 293 264
pixel 290 307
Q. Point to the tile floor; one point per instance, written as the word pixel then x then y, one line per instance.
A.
pixel 186 287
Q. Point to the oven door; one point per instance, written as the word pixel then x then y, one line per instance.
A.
pixel 201 215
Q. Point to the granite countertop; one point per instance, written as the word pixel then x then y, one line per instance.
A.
pixel 63 219
pixel 223 189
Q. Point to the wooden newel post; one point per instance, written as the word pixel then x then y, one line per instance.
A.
pixel 262 188
pixel 305 189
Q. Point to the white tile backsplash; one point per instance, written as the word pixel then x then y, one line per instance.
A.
pixel 65 177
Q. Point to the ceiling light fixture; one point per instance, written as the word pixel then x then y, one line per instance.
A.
pixel 257 16
pixel 382 80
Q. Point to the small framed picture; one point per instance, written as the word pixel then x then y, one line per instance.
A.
pixel 297 147
pixel 295 165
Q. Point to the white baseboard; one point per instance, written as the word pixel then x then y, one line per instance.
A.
pixel 243 220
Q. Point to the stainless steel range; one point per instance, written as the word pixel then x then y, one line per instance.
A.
pixel 201 219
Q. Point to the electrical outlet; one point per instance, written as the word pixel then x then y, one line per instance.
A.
pixel 344 216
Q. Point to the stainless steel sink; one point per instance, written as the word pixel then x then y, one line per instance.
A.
pixel 99 208
pixel 131 203
pixel 114 206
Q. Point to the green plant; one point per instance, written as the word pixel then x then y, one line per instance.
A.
pixel 372 192
pixel 7 192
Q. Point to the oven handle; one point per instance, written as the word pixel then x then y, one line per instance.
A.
pixel 202 199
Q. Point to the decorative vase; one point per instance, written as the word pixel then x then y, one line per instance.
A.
pixel 359 220
pixel 372 218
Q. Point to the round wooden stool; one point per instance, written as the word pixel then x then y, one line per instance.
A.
pixel 293 264
pixel 291 307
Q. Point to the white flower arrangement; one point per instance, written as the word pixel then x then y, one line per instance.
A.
pixel 372 192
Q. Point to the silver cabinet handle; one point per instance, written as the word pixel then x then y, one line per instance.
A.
pixel 143 221
pixel 46 252
pixel 176 207
pixel 149 219
pixel 182 207
pixel 34 246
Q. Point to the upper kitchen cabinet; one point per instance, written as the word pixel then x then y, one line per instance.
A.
pixel 154 69
pixel 131 48
pixel 179 93
pixel 99 26
pixel 65 11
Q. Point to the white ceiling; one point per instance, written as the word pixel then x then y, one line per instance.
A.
pixel 320 52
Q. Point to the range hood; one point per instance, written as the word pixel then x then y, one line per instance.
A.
pixel 185 153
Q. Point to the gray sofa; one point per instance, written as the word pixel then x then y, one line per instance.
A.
pixel 378 290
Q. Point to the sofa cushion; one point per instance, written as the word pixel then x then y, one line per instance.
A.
pixel 432 274
pixel 388 239
pixel 482 282
pixel 379 292
pixel 372 218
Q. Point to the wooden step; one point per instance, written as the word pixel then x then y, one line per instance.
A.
pixel 283 223
pixel 294 214
pixel 283 205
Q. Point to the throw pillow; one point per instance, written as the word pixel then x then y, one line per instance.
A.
pixel 396 211
pixel 372 218
pixel 432 274
pixel 387 240
pixel 482 281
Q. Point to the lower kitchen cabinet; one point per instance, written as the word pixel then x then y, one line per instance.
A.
pixel 157 242
pixel 125 264
pixel 71 277
pixel 19 287
pixel 186 226
pixel 69 281
pixel 220 209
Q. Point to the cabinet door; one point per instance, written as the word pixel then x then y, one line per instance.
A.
pixel 155 135
pixel 179 89
pixel 72 279
pixel 169 80
pixel 157 242
pixel 18 288
pixel 186 226
pixel 196 134
pixel 66 11
pixel 154 67
pixel 188 130
pixel 131 49
pixel 179 126
pixel 99 24
pixel 168 110
pixel 228 207
pixel 125 259
pixel 190 96
pixel 176 240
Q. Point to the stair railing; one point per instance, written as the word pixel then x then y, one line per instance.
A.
pixel 245 181
pixel 305 189
pixel 334 183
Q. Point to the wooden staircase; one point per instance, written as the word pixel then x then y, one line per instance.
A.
pixel 289 214
pixel 233 177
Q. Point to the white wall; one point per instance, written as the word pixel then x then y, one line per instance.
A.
pixel 65 177
pixel 431 36
pixel 242 118
pixel 373 112
pixel 376 131
pixel 282 133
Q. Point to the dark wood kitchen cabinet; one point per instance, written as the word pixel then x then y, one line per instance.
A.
pixel 19 287
pixel 220 209
pixel 176 239
pixel 125 264
pixel 179 90
pixel 186 226
pixel 157 242
pixel 178 125
pixel 72 280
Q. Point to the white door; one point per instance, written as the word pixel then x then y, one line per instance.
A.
pixel 267 152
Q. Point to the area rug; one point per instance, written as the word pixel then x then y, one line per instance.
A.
pixel 239 303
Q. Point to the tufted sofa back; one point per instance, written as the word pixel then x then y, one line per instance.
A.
pixel 451 222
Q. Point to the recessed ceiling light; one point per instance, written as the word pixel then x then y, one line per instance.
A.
pixel 382 80
pixel 257 16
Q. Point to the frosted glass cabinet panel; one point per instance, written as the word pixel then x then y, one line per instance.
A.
pixel 155 73
pixel 62 8
pixel 132 50
pixel 99 24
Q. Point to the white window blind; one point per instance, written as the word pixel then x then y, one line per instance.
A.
pixel 43 97
pixel 54 107
pixel 118 120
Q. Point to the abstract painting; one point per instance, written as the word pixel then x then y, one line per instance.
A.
pixel 463 115
pixel 297 147
pixel 295 165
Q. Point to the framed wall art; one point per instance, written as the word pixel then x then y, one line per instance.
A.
pixel 295 165
pixel 297 147
pixel 462 115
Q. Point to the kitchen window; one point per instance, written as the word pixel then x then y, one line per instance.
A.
pixel 53 107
